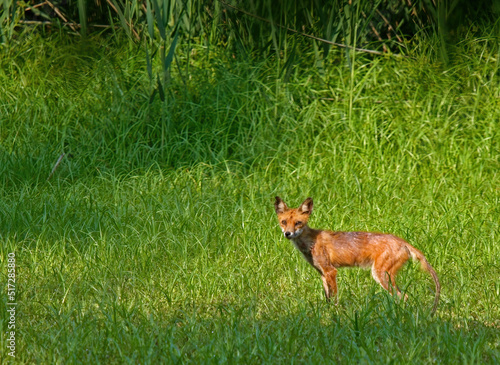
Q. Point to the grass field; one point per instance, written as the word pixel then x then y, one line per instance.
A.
pixel 155 239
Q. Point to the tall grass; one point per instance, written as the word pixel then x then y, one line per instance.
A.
pixel 155 239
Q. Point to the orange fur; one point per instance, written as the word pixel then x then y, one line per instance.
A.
pixel 326 250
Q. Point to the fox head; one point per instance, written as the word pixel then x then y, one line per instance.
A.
pixel 293 221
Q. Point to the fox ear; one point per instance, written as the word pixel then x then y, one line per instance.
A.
pixel 280 206
pixel 307 206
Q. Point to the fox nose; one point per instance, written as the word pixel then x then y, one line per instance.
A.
pixel 288 234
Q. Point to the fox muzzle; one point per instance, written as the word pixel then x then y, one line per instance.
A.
pixel 290 235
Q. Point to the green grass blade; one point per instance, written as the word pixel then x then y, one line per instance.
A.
pixel 121 17
pixel 150 19
pixel 82 13
pixel 170 55
pixel 159 19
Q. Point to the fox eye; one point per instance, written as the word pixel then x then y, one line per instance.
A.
pixel 283 222
pixel 298 223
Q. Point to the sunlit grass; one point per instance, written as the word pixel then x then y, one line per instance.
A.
pixel 155 239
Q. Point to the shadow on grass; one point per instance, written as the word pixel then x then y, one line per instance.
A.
pixel 380 331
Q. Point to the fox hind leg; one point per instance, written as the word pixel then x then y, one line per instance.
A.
pixel 385 274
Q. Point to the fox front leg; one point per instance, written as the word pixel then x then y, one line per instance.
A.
pixel 330 284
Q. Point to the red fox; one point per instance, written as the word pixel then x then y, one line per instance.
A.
pixel 326 250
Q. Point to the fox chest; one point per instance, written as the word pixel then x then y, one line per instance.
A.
pixel 305 248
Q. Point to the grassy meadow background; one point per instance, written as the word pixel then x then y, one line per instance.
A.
pixel 155 240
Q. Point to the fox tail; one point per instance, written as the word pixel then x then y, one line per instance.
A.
pixel 419 256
